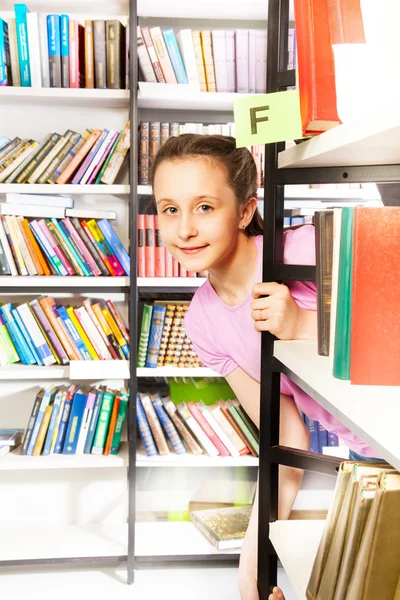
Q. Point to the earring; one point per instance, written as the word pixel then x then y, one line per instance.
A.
pixel 244 226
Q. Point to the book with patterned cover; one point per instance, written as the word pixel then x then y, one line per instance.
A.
pixel 225 528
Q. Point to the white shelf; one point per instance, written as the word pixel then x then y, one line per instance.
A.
pixel 99 369
pixel 27 372
pixel 370 141
pixel 207 9
pixel 176 372
pixel 170 282
pixel 66 97
pixel 54 281
pixel 189 460
pixel 67 189
pixel 296 544
pixel 368 411
pixel 15 462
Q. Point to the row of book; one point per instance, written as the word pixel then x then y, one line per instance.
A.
pixel 221 429
pixel 153 134
pixel 212 61
pixel 163 340
pixel 359 551
pixel 68 246
pixel 95 156
pixel 320 438
pixel 357 256
pixel 45 333
pixel 39 50
pixel 75 420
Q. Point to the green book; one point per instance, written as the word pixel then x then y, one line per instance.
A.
pixel 104 167
pixel 144 334
pixel 123 405
pixel 103 423
pixel 245 417
pixel 7 347
pixel 341 358
pixel 244 429
pixel 68 244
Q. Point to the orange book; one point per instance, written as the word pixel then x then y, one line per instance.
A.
pixel 375 346
pixel 76 161
pixel 316 69
pixel 47 304
pixel 35 246
pixel 141 248
pixel 111 427
pixel 149 250
pixel 28 243
pixel 345 22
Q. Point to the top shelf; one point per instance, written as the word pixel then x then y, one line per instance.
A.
pixel 66 97
pixel 207 9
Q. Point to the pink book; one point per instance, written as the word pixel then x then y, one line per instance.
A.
pixel 56 247
pixel 159 251
pixel 191 274
pixel 149 251
pixel 230 60
pixel 169 264
pixel 220 61
pixel 141 248
pixel 75 236
pixel 242 61
pixel 76 54
pixel 175 267
pixel 102 158
pixel 252 61
pixel 261 61
pixel 182 271
pixel 208 430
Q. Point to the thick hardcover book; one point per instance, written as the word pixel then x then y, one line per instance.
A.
pixel 144 153
pixel 146 68
pixel 167 424
pixel 341 361
pixel 115 54
pixel 324 257
pixel 75 422
pixel 225 528
pixel 337 225
pixel 100 54
pixel 76 54
pixel 89 54
pixel 37 158
pixel 103 422
pixel 154 424
pixel 121 416
pixel 144 429
pixel 153 55
pixel 187 437
pixel 31 422
pixel 316 69
pixel 144 334
pixel 375 346
pixel 23 48
pixel 156 329
pixel 54 36
pixel 94 417
pixel 65 51
pixel 62 428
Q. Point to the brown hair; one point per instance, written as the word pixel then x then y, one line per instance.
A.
pixel 239 164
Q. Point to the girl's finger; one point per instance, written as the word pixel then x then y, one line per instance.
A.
pixel 266 289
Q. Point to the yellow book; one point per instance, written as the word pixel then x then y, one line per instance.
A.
pixel 14 239
pixel 42 431
pixel 95 229
pixel 111 323
pixel 82 333
pixel 105 327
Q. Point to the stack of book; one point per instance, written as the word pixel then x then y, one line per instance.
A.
pixel 45 333
pixel 153 134
pixel 74 420
pixel 64 246
pixel 94 156
pixel 163 341
pixel 39 50
pixel 357 255
pixel 359 552
pixel 222 429
pixel 9 440
pixel 154 260
pixel 212 61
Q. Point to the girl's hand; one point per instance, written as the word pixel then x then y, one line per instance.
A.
pixel 279 314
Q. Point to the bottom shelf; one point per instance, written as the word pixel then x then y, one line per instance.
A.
pixel 296 544
pixel 70 541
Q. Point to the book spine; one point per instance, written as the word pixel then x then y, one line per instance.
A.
pixel 100 54
pixel 63 263
pixel 145 65
pixel 34 49
pixel 121 416
pixel 12 38
pixel 52 423
pixel 31 423
pixel 168 426
pixel 66 160
pixel 89 262
pixel 62 430
pixel 74 423
pixel 149 246
pixel 37 337
pixel 208 60
pixel 63 241
pixel 242 60
pixel 103 423
pixel 144 429
pixel 9 225
pixel 70 327
pixel 102 155
pixel 24 227
pixel 57 424
pixel 42 431
pixel 220 60
pixel 89 54
pixel 199 60
pixel 77 253
pixel 118 319
pixel 261 60
pixel 111 427
pixel 107 342
pixel 47 305
pixel 54 37
pixel 43 404
pixel 207 429
pixel 154 424
pixel 252 61
pixel 34 177
pixel 114 242
pixel 37 159
pixel 153 55
pixel 96 340
pixel 23 48
pixel 113 326
pixel 107 331
pixel 44 322
pixel 181 428
pixel 87 414
pixel 112 261
pixel 156 330
pixel 141 249
pixel 115 55
pixel 57 160
pixel 72 313
pixel 93 422
pixel 26 336
pixel 89 158
pixel 251 441
pixel 175 56
pixel 118 157
pixel 89 245
pixel 64 24
pixel 22 246
pixel 108 159
pixel 185 43
pixel 144 335
pixel 198 432
pixel 219 432
pixel 79 157
pixel 144 153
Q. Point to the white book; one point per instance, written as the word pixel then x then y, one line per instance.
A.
pixel 220 60
pixel 58 421
pixel 230 446
pixel 201 436
pixel 190 127
pixel 252 61
pixel 231 60
pixel 9 225
pixel 87 414
pixel 144 60
pixel 218 129
pixel 232 127
pixel 17 162
pixel 185 43
pixel 35 333
pixel 12 39
pixel 46 161
pixel 226 129
pixel 44 50
pixel 29 210
pixel 337 227
pixel 95 322
pixel 7 250
pixel 261 60
pixel 98 156
pixel 89 213
pixel 34 49
pixel 40 199
pixel 93 334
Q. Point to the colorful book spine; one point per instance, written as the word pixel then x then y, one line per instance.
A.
pixel 144 334
pixel 64 24
pixel 74 423
pixel 156 330
pixel 43 405
pixel 35 333
pixel 102 244
pixel 6 343
pixel 47 328
pixel 167 424
pixel 41 436
pixel 99 349
pixel 116 332
pixel 207 429
pixel 31 423
pixel 115 243
pixel 118 319
pixel 26 335
pixel 16 336
pixel 22 39
pixel 175 56
pixel 73 316
pixel 105 327
pixel 62 312
pixel 111 426
pixel 92 267
pixel 53 420
pixel 44 50
pixel 5 58
pixel 58 421
pixel 103 423
pixel 90 246
pixel 87 413
pixel 66 232
pixel 89 158
pixel 54 37
pixel 144 429
pixel 155 425
pixel 62 430
pixel 65 266
pixel 93 422
pixel 121 417
pixel 109 346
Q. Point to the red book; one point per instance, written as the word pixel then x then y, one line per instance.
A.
pixel 149 250
pixel 141 252
pixel 316 67
pixel 159 251
pixel 375 345
pixel 169 264
pixel 208 430
pixel 345 22
pixel 182 271
pixel 76 54
pixel 111 427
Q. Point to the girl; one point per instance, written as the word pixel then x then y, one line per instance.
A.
pixel 206 196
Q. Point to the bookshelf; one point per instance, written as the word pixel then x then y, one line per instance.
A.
pixel 85 98
pixel 67 189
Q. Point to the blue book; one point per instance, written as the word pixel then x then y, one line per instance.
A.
pixel 62 429
pixel 47 396
pixel 115 243
pixel 144 429
pixel 322 437
pixel 175 56
pixel 333 439
pixel 26 335
pixel 167 424
pixel 312 427
pixel 54 42
pixel 17 338
pixel 5 59
pixel 74 423
pixel 156 329
pixel 36 335
pixel 53 420
pixel 93 422
pixel 22 40
pixel 62 312
pixel 64 26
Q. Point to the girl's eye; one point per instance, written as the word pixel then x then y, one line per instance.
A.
pixel 171 210
pixel 205 208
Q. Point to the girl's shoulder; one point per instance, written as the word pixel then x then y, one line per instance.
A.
pixel 203 298
pixel 299 246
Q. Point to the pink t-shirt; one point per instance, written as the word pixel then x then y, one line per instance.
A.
pixel 224 336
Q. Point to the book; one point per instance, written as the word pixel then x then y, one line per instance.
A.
pixel 87 414
pixel 99 27
pixel 175 55
pixel 115 54
pixel 94 416
pixel 41 436
pixel 118 157
pixel 156 329
pixel 121 417
pixel 44 50
pixel 75 422
pixel 220 59
pixel 196 40
pixel 145 65
pixel 144 429
pixel 54 38
pixel 89 54
pixel 57 406
pixel 208 430
pixel 184 432
pixel 103 422
pixel 147 38
pixel 13 45
pixel 337 223
pixel 167 424
pixel 324 254
pixel 76 54
pixel 32 22
pixel 64 26
pixel 220 417
pixel 225 528
pixel 115 244
pixel 154 425
pixel 11 437
pixel 111 427
pixel 21 11
pixel 197 430
pixel 216 427
pixel 58 445
pixel 144 334
pixel 48 397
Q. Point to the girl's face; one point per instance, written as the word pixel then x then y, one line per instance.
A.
pixel 197 212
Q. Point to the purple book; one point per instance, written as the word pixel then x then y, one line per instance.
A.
pixel 242 61
pixel 261 61
pixel 90 157
pixel 220 60
pixel 252 61
pixel 103 158
pixel 230 60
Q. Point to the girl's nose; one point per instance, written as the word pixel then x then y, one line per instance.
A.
pixel 187 228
